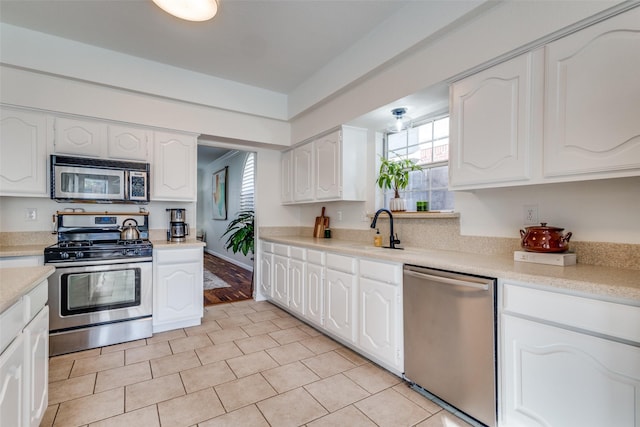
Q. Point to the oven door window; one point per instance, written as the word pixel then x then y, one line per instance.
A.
pixel 88 292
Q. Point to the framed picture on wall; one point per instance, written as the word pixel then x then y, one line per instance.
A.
pixel 219 190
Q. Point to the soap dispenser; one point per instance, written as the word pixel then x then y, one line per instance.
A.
pixel 377 239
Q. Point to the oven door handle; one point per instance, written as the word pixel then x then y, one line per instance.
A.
pixel 89 263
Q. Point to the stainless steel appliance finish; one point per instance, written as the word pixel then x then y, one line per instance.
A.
pixel 75 179
pixel 450 338
pixel 101 291
pixel 178 229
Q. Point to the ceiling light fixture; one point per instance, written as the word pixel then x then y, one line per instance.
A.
pixel 190 10
pixel 402 122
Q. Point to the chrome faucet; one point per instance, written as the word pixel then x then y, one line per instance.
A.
pixel 393 239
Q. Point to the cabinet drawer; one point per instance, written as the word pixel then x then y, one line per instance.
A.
pixel 35 300
pixel 613 319
pixel 266 247
pixel 315 257
pixel 341 263
pixel 175 256
pixel 297 253
pixel 381 271
pixel 281 249
pixel 12 321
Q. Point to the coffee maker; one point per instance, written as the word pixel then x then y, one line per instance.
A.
pixel 178 229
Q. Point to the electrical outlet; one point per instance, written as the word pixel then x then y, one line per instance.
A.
pixel 31 214
pixel 339 215
pixel 530 214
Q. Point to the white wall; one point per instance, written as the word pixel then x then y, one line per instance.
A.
pixel 13 210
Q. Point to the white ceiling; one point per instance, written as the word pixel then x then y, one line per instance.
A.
pixel 271 44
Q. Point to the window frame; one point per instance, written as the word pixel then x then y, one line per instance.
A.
pixel 411 194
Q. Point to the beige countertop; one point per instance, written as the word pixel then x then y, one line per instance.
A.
pixel 21 250
pixel 176 245
pixel 18 281
pixel 605 282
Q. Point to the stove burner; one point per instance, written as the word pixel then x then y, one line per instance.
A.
pixel 75 243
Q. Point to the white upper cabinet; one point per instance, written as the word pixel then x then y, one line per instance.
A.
pixel 592 104
pixel 286 184
pixel 303 173
pixel 23 153
pixel 326 153
pixel 493 118
pixel 77 137
pixel 95 138
pixel 174 173
pixel 567 111
pixel 129 143
pixel 327 168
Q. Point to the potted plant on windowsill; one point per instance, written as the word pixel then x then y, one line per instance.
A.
pixel 394 174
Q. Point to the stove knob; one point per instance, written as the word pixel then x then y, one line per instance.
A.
pixel 124 252
pixel 64 255
pixel 79 254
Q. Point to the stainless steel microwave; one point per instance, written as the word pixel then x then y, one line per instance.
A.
pixel 77 179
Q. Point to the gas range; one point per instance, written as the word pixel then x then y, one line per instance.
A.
pixel 88 237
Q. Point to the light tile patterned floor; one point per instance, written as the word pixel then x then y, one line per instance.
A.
pixel 248 364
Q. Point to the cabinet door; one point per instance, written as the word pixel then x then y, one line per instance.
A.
pixel 286 185
pixel 303 173
pixel 591 107
pixel 296 285
pixel 128 143
pixel 340 303
pixel 37 352
pixel 314 293
pixel 327 167
pixel 178 292
pixel 13 384
pixel 281 279
pixel 23 153
pixel 77 137
pixel 266 275
pixel 174 167
pixel 378 320
pixel 493 123
pixel 556 377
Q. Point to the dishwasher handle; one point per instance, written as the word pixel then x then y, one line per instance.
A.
pixel 447 280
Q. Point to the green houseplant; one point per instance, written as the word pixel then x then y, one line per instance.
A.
pixel 240 232
pixel 394 174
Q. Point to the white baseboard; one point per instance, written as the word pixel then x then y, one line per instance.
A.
pixel 231 260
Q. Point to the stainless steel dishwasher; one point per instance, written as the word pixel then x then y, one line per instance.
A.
pixel 449 338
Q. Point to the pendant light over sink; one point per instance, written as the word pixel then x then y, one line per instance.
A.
pixel 190 10
pixel 402 121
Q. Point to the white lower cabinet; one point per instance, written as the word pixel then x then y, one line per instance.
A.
pixel 568 360
pixel 380 311
pixel 265 279
pixel 314 287
pixel 24 360
pixel 296 285
pixel 177 288
pixel 37 357
pixel 339 304
pixel 281 279
pixel 357 301
pixel 13 386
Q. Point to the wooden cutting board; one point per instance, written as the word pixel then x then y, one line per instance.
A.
pixel 318 228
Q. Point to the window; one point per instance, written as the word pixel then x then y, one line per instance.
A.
pixel 428 145
pixel 248 184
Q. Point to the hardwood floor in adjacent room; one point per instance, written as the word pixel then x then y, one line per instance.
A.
pixel 239 279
